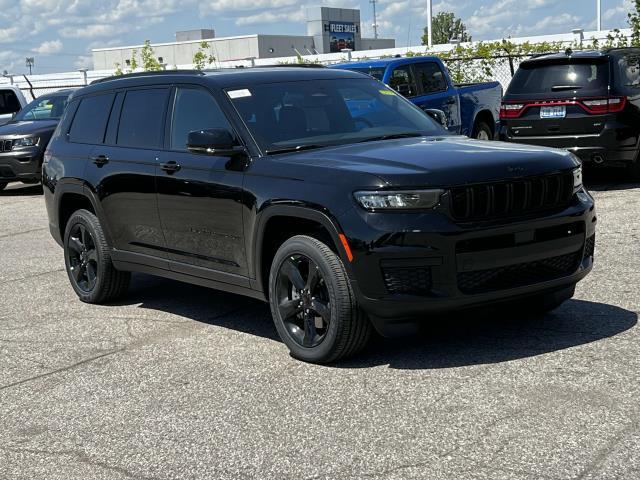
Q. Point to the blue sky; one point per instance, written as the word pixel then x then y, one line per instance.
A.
pixel 61 33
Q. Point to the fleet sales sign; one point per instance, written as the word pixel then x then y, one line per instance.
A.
pixel 342 35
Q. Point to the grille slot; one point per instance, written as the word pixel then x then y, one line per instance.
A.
pixel 407 280
pixel 477 202
pixel 590 246
pixel 6 145
pixel 519 275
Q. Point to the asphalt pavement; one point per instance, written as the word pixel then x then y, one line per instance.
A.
pixel 182 382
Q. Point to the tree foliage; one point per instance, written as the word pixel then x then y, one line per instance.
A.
pixel 202 58
pixel 445 26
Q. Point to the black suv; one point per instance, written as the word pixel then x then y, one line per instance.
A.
pixel 24 138
pixel 321 191
pixel 586 102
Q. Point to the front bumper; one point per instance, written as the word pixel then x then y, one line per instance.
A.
pixel 439 266
pixel 616 145
pixel 23 165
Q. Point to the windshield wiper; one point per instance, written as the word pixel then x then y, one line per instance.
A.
pixel 297 148
pixel 392 136
pixel 557 88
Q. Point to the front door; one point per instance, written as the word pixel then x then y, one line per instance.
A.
pixel 434 92
pixel 199 195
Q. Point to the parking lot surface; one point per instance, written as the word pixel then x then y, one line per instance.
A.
pixel 178 381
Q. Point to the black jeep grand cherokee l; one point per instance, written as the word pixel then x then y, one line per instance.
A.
pixel 321 191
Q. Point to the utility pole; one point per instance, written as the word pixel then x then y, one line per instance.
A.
pixel 429 23
pixel 29 62
pixel 375 20
pixel 599 15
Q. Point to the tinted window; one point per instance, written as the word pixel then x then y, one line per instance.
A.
pixel 430 77
pixel 91 119
pixel 194 109
pixel 142 118
pixel 402 81
pixel 628 69
pixel 9 102
pixel 44 108
pixel 591 76
pixel 375 72
pixel 327 112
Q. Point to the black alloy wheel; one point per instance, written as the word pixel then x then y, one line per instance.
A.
pixel 83 258
pixel 303 300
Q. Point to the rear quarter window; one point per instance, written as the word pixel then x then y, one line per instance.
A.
pixel 556 78
pixel 627 69
pixel 90 120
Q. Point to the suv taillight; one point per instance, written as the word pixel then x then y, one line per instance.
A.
pixel 593 106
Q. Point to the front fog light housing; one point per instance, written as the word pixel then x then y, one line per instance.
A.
pixel 577 178
pixel 25 142
pixel 399 200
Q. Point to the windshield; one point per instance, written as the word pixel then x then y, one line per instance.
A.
pixel 310 114
pixel 591 76
pixel 375 72
pixel 44 108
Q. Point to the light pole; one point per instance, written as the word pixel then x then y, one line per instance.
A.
pixel 375 20
pixel 29 62
pixel 429 23
pixel 599 15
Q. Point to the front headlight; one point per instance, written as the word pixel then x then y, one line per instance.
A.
pixel 25 142
pixel 577 178
pixel 399 200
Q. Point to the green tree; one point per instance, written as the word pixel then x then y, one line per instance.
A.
pixel 634 22
pixel 202 58
pixel 445 26
pixel 149 62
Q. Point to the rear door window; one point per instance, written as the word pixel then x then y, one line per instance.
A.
pixel 430 77
pixel 91 118
pixel 142 118
pixel 403 82
pixel 588 77
pixel 9 102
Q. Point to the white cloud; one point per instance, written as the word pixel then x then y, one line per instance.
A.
pixel 49 47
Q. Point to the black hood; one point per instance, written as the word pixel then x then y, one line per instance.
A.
pixel 441 161
pixel 28 127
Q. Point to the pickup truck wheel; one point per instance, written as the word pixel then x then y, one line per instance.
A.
pixel 312 303
pixel 482 131
pixel 88 261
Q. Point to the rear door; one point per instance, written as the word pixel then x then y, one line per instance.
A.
pixel 123 169
pixel 558 98
pixel 435 92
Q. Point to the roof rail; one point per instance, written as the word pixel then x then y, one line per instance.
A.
pixel 148 74
pixel 292 65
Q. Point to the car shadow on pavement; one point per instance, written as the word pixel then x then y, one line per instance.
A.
pixel 21 190
pixel 485 337
pixel 467 338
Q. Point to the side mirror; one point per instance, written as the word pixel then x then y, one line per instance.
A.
pixel 438 115
pixel 213 141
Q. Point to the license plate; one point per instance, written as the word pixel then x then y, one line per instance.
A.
pixel 553 112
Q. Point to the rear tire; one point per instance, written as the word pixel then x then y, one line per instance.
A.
pixel 88 261
pixel 482 131
pixel 312 302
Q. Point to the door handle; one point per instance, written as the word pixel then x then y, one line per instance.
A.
pixel 170 167
pixel 99 160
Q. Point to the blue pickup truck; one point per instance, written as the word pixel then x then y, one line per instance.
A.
pixel 470 109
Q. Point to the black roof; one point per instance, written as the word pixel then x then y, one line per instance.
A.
pixel 579 54
pixel 223 78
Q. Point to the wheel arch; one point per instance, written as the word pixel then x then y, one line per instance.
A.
pixel 278 223
pixel 487 117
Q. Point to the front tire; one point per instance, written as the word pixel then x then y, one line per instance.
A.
pixel 312 302
pixel 88 261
